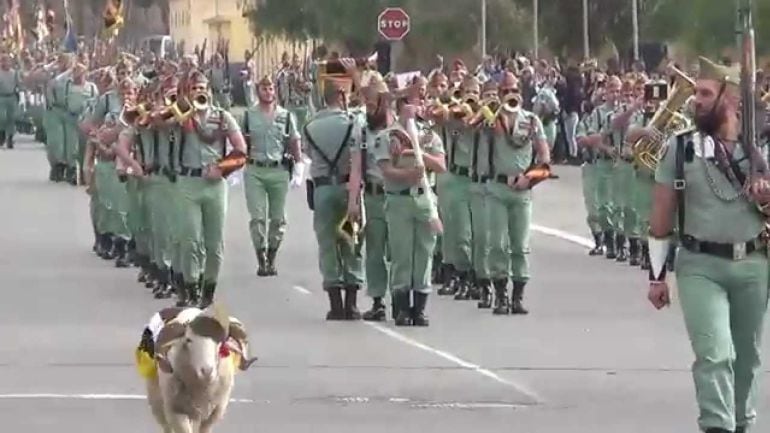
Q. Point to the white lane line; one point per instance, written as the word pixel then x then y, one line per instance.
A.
pixel 302 290
pixel 575 239
pixel 50 396
pixel 458 361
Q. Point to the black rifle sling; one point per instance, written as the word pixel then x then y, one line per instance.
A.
pixel 331 163
pixel 247 133
pixel 364 154
pixel 679 181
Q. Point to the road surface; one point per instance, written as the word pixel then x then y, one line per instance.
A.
pixel 592 356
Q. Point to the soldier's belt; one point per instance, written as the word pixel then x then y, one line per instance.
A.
pixel 408 191
pixel 8 95
pixel 374 188
pixel 152 169
pixel 264 164
pixel 737 251
pixel 191 172
pixel 459 170
pixel 480 178
pixel 330 180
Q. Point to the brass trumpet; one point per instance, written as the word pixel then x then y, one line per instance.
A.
pixel 488 112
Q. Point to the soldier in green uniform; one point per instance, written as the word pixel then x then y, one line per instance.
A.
pixel 589 172
pixel 10 88
pixel 272 141
pixel 54 124
pixel 328 138
pixel 515 145
pixel 77 96
pixel 704 182
pixel 202 193
pixel 411 210
pixel 546 107
pixel 220 82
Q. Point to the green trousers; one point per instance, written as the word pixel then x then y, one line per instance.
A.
pixel 510 214
pixel 624 215
pixel 479 196
pixel 605 193
pixel 588 173
pixel 550 134
pixel 73 144
pixel 138 218
pixel 265 190
pixel 157 192
pixel 724 304
pixel 340 264
pixel 455 202
pixel 412 250
pixel 202 206
pixel 8 107
pixel 55 136
pixel 49 125
pixel 113 200
pixel 377 254
pixel 645 182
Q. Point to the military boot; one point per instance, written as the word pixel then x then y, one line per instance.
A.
pixel 72 176
pixel 403 311
pixel 351 303
pixel 9 142
pixel 620 248
pixel 61 173
pixel 609 238
pixel 501 297
pixel 271 269
pixel 645 265
pixel 463 287
pixel 163 290
pixel 473 284
pixel 99 247
pixel 107 245
pixel 740 429
pixel 132 254
pixel 598 249
pixel 194 292
pixel 336 307
pixel 262 263
pixel 449 286
pixel 418 311
pixel 517 296
pixel 207 297
pixel 634 258
pixel 153 272
pixel 377 312
pixel 144 271
pixel 485 286
pixel 121 253
pixel 437 268
pixel 53 174
pixel 183 298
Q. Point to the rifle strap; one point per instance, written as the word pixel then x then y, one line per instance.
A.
pixel 331 163
pixel 679 180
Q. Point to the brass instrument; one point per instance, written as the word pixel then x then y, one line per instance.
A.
pixel 201 101
pixel 665 122
pixel 488 112
pixel 132 113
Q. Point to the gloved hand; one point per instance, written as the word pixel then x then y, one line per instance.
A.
pixel 297 175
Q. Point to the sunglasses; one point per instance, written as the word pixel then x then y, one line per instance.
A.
pixel 508 91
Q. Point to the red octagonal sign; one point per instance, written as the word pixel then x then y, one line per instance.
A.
pixel 393 24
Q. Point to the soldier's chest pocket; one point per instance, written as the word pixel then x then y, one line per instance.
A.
pixel 277 131
pixel 520 136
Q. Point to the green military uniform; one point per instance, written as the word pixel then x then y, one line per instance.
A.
pixel 76 99
pixel 624 214
pixel 10 86
pixel 202 204
pixel 645 181
pixel 267 180
pixel 546 106
pixel 721 268
pixel 408 212
pixel 481 174
pixel 588 173
pixel 220 87
pixel 328 138
pixel 510 211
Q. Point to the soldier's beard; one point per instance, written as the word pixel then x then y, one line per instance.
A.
pixel 710 121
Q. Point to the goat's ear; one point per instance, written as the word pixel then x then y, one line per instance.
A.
pixel 170 332
pixel 163 364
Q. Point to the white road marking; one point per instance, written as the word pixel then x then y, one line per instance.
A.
pixel 302 290
pixel 458 361
pixel 575 239
pixel 50 396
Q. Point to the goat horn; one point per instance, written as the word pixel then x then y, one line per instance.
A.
pixel 245 361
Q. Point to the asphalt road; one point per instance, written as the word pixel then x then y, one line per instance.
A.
pixel 592 356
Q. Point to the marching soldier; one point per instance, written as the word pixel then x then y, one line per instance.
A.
pixel 220 82
pixel 546 106
pixel 78 95
pixel 328 138
pixel 518 141
pixel 722 268
pixel 589 173
pixel 272 145
pixel 10 88
pixel 55 121
pixel 411 211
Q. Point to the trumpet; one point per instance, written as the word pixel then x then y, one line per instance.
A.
pixel 131 114
pixel 488 112
pixel 201 101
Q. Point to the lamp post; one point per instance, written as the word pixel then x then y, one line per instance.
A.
pixel 483 28
pixel 586 45
pixel 635 25
pixel 535 6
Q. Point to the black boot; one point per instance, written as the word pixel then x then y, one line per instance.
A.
pixel 153 274
pixel 609 238
pixel 517 297
pixel 501 297
pixel 377 312
pixel 99 247
pixel 72 175
pixel 132 255
pixel 635 258
pixel 61 172
pixel 121 253
pixel 449 286
pixel 107 247
pixel 670 258
pixel 485 285
pixel 336 308
pixel 182 297
pixel 473 284
pixel 351 303
pixel 262 263
pixel 418 311
pixel 437 267
pixel 620 248
pixel 271 269
pixel 740 429
pixel 403 310
pixel 207 297
pixel 9 142
pixel 463 287
pixel 194 292
pixel 144 272
pixel 598 249
pixel 53 173
pixel 645 265
pixel 164 284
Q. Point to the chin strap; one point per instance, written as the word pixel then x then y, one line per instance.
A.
pixel 658 252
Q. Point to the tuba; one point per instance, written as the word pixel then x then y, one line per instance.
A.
pixel 665 122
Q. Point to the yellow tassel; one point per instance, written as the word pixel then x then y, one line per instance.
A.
pixel 145 364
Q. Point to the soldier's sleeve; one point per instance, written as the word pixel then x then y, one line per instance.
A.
pixel 381 149
pixel 293 131
pixel 666 170
pixel 434 146
pixel 539 132
pixel 100 108
pixel 356 135
pixel 230 124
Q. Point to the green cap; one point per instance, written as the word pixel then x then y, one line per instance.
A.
pixel 712 71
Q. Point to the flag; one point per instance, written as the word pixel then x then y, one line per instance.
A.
pixel 70 42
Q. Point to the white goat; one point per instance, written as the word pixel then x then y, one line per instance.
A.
pixel 196 365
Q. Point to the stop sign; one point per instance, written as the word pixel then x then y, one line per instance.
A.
pixel 393 24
